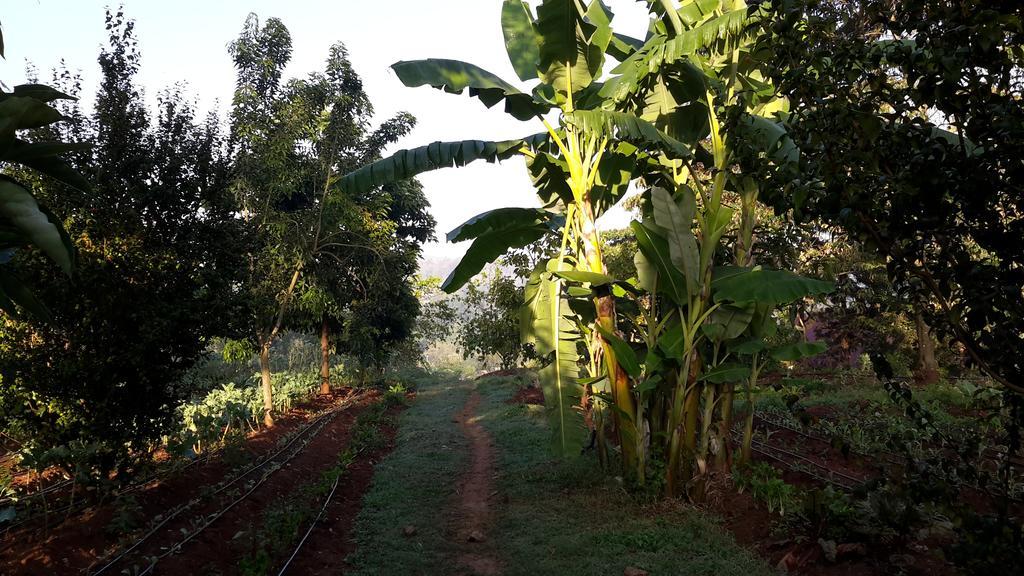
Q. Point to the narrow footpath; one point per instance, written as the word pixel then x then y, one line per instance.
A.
pixel 475 552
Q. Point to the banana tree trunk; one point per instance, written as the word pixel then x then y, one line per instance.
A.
pixel 746 448
pixel 325 357
pixel 267 386
pixel 622 395
pixel 683 425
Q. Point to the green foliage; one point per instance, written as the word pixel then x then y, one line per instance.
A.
pixel 23 222
pixel 491 323
pixel 158 266
pixel 765 483
pixel 916 170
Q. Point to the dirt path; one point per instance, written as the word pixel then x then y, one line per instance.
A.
pixel 475 553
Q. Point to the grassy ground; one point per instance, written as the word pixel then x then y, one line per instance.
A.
pixel 559 518
pixel 412 487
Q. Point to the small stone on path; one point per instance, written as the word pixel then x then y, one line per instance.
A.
pixel 409 530
pixel 476 536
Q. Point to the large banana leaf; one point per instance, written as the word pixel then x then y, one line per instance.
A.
pixel 798 350
pixel 408 163
pixel 732 23
pixel 571 48
pixel 678 223
pixel 493 233
pixel 628 127
pixel 13 291
pixel 40 92
pixel 770 137
pixel 548 322
pixel 621 46
pixel 20 210
pixel 454 76
pixel 696 11
pixel 766 287
pixel 23 113
pixel 670 280
pixel 521 41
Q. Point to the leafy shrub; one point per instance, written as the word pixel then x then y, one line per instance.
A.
pixel 765 483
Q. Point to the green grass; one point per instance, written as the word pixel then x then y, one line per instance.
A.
pixel 560 518
pixel 412 487
pixel 572 520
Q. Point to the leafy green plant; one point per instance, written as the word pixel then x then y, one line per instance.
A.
pixel 670 114
pixel 765 483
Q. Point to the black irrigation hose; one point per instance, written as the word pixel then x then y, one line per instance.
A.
pixel 764 450
pixel 830 471
pixel 325 417
pixel 178 545
pixel 891 458
pixel 311 526
pixel 38 493
pixel 790 466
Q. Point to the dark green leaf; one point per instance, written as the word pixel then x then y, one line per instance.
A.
pixel 19 208
pixel 567 47
pixel 681 243
pixel 408 163
pixel 454 77
pixel 794 352
pixel 23 113
pixel 624 353
pixel 499 219
pixel 495 232
pixel 727 372
pixel 521 41
pixel 772 287
pixel 13 290
pixel 655 249
pixel 40 92
pixel 748 346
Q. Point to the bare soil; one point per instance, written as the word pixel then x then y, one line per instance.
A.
pixel 331 543
pixel 76 543
pixel 472 514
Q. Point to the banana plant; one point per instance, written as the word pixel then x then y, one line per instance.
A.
pixel 695 78
pixel 581 164
pixel 665 116
pixel 23 221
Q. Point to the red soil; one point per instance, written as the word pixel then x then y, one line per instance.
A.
pixel 331 542
pixel 68 546
pixel 475 554
pixel 531 395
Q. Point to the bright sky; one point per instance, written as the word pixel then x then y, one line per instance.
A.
pixel 186 40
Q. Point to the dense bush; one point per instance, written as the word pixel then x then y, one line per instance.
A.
pixel 156 278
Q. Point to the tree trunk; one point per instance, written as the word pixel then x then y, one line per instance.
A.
pixel 268 389
pixel 927 369
pixel 325 357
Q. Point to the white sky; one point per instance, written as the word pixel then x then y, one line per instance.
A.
pixel 186 40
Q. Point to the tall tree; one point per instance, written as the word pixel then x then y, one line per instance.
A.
pixel 159 263
pixel 913 122
pixel 314 243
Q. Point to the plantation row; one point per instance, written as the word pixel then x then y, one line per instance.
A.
pixel 815 189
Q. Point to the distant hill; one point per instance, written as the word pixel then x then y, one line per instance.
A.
pixel 439 266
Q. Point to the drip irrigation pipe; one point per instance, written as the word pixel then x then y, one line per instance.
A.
pixel 324 419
